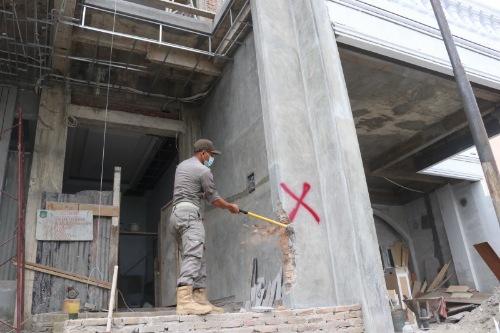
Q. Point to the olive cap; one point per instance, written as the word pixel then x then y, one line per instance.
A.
pixel 205 144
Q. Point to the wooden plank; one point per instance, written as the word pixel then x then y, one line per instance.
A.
pixel 66 275
pixel 439 277
pixel 396 253
pixel 461 295
pixel 405 255
pixel 391 282
pixel 417 285
pixel 424 287
pixel 444 281
pixel 405 286
pixel 393 297
pixel 101 210
pixel 457 289
pixel 52 205
pixel 188 9
pixel 115 221
pixel 49 291
pixel 490 257
pixel 97 210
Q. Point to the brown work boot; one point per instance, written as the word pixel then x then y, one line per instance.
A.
pixel 200 297
pixel 186 304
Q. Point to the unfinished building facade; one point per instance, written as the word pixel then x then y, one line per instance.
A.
pixel 318 128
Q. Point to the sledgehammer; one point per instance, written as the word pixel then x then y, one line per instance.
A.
pixel 263 218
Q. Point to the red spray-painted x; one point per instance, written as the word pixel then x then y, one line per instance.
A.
pixel 300 201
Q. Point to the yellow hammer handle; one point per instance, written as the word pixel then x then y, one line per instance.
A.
pixel 263 218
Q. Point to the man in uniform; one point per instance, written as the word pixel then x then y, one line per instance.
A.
pixel 193 182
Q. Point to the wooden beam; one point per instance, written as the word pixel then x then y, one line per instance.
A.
pixel 181 60
pixel 127 120
pixel 490 257
pixel 102 210
pixel 66 275
pixel 115 226
pixel 423 139
pixel 188 9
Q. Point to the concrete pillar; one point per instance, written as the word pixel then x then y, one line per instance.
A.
pixel 46 169
pixel 193 132
pixel 7 111
pixel 311 138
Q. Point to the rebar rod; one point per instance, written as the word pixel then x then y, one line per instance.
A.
pixel 20 224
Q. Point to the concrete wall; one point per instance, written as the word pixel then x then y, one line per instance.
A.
pixel 469 218
pixel 444 227
pixel 159 196
pixel 7 299
pixel 232 118
pixel 421 227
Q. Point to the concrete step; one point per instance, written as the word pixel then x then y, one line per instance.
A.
pixel 324 319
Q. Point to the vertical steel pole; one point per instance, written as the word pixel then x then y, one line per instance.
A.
pixel 20 224
pixel 472 112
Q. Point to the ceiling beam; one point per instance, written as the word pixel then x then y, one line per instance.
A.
pixel 423 139
pixel 454 144
pixel 128 121
pixel 181 60
pixel 398 174
pixel 159 55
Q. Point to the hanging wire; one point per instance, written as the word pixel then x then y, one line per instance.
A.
pixel 402 186
pixel 96 268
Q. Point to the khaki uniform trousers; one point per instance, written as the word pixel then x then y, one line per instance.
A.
pixel 187 226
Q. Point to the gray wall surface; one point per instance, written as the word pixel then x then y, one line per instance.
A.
pixel 469 218
pixel 232 118
pixel 159 196
pixel 423 231
pixel 312 144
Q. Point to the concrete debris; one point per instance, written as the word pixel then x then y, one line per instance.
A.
pixel 286 241
pixel 480 319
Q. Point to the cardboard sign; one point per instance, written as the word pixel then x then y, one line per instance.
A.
pixel 64 225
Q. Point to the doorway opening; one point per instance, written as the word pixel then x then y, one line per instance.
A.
pixel 148 165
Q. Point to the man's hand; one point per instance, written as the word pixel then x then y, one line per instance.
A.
pixel 221 203
pixel 233 208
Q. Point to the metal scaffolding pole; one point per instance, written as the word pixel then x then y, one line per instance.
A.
pixel 472 112
pixel 20 224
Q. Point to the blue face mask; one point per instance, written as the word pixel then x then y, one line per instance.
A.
pixel 210 162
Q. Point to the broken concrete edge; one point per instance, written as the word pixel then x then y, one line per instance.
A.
pixel 286 244
pixel 341 312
